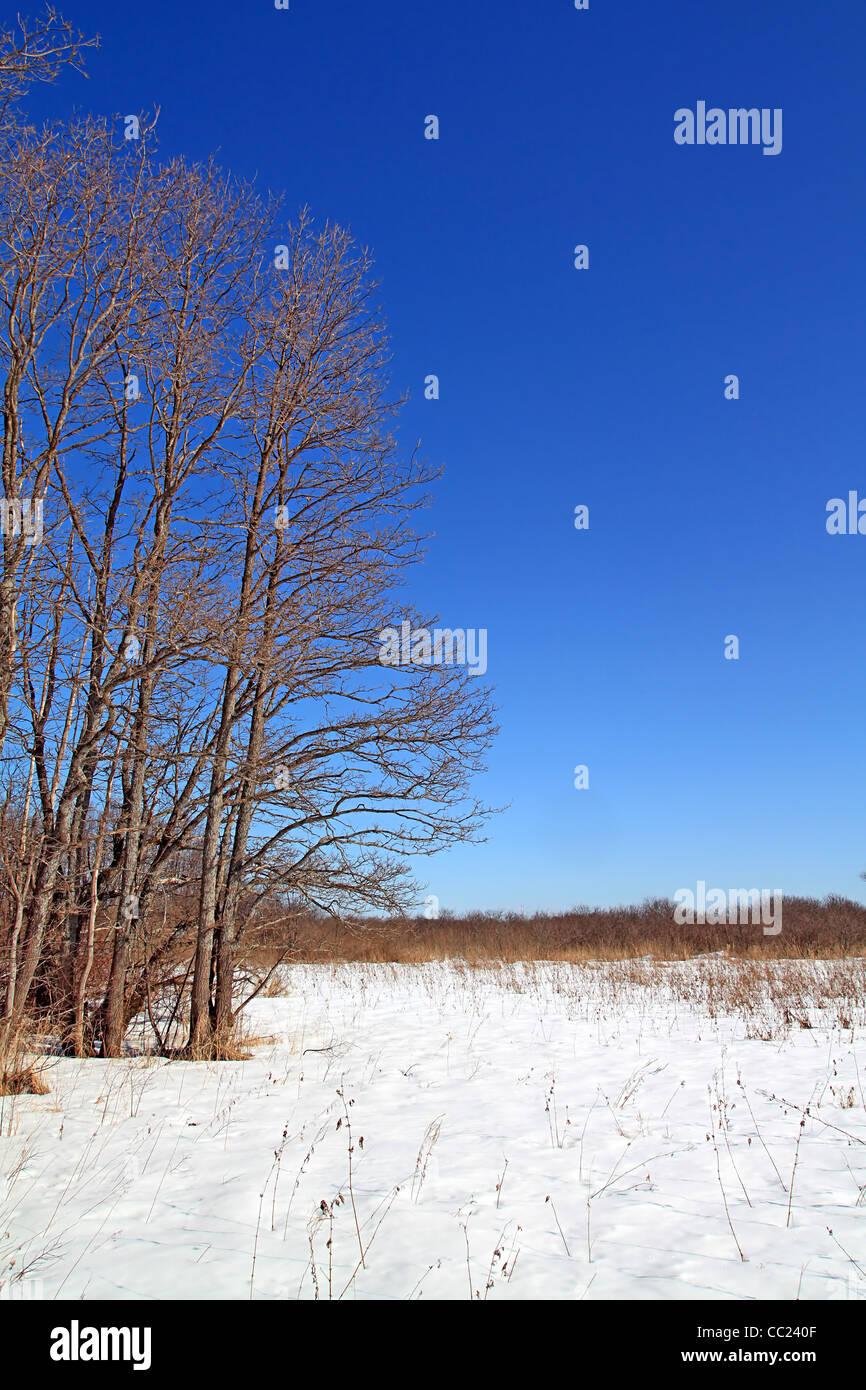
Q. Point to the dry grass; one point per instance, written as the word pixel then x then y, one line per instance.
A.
pixel 772 998
pixel 833 928
pixel 26 1080
pixel 20 1074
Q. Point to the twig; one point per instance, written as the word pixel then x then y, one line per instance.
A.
pixel 559 1228
pixel 761 1137
pixel 846 1253
pixel 351 1188
pixel 794 1169
pixel 805 1110
pixel 500 1183
pixel 722 1187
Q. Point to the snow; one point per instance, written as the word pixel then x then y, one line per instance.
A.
pixel 591 1095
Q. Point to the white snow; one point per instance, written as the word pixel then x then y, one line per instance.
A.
pixel 143 1178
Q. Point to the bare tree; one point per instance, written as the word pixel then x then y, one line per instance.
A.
pixel 192 691
pixel 36 51
pixel 376 769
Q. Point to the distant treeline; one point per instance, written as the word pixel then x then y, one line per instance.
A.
pixel 829 927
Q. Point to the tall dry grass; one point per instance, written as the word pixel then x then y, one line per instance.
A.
pixel 832 928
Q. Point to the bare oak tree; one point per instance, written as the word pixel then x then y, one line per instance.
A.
pixel 194 717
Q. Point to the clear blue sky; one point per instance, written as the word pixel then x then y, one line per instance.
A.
pixel 604 387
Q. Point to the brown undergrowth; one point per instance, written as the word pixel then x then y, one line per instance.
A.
pixel 832 928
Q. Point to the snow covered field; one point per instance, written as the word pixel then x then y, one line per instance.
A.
pixel 549 1130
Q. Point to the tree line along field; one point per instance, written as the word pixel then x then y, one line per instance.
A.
pixel 827 928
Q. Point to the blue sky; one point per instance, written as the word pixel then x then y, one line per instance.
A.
pixel 603 387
